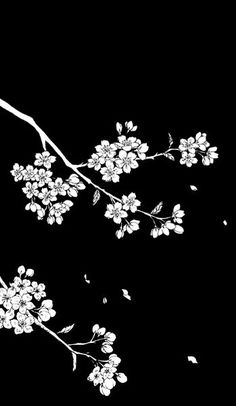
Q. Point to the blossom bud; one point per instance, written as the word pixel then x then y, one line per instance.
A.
pixel 29 272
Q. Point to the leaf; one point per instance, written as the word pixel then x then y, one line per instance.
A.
pixel 96 196
pixel 74 361
pixel 118 128
pixel 157 209
pixel 225 223
pixel 193 187
pixel 104 300
pixel 169 156
pixel 170 140
pixel 134 128
pixel 66 330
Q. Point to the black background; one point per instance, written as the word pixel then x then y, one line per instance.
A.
pixel 76 83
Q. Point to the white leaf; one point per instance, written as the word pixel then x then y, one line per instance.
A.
pixel 194 188
pixel 157 209
pixel 96 196
pixel 170 140
pixel 134 128
pixel 74 361
pixel 66 330
pixel 192 359
pixel 104 300
pixel 126 294
pixel 86 279
pixel 118 128
pixel 225 222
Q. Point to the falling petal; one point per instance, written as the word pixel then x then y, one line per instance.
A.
pixel 192 359
pixel 126 294
pixel 225 222
pixel 194 188
pixel 104 300
pixel 86 279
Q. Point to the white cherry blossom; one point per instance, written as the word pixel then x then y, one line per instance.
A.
pixel 96 162
pixel 211 154
pixel 6 296
pixel 22 323
pixel 188 145
pixel 31 189
pixel 47 196
pixel 188 159
pixel 43 177
pixel 30 173
pixel 130 202
pixel 127 143
pixel 17 172
pixel 201 141
pixel 110 172
pixel 44 159
pixel 106 150
pixel 141 151
pixel 115 211
pixel 127 161
pixel 5 318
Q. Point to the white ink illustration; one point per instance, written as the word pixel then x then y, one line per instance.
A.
pixel 49 196
pixel 23 306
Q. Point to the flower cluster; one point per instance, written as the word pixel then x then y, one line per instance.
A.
pixel 105 372
pixel 118 211
pixel 172 223
pixel 43 190
pixel 17 303
pixel 121 156
pixel 192 147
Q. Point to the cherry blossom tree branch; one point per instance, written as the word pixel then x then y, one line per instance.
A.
pixel 52 333
pixel 46 140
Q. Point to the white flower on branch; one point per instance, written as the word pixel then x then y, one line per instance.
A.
pixel 96 162
pixel 211 154
pixel 116 212
pixel 141 150
pixel 127 161
pixel 6 296
pixel 188 159
pixel 106 150
pixel 22 302
pixel 44 159
pixel 127 143
pixel 201 141
pixel 22 323
pixel 30 173
pixel 177 214
pixel 46 311
pixel 130 202
pixel 33 206
pixel 17 172
pixel 58 187
pixel 31 189
pixel 188 145
pixel 43 177
pixel 110 172
pixel 5 318
pixel 47 196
